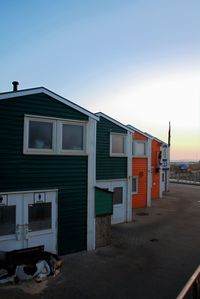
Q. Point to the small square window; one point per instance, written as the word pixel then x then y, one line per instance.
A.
pixel 40 135
pixel 135 185
pixel 118 195
pixel 139 148
pixel 72 137
pixel 117 145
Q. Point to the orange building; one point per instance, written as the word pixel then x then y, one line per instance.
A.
pixel 141 164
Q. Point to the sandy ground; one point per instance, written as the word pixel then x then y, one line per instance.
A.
pixel 152 257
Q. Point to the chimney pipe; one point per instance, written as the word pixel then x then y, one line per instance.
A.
pixel 15 85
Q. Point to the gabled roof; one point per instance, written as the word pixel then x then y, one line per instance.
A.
pixel 155 138
pixel 139 131
pixel 32 91
pixel 114 121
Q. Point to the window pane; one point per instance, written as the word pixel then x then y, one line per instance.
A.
pixel 139 148
pixel 72 137
pixel 118 195
pixel 40 135
pixel 117 144
pixel 39 216
pixel 7 220
pixel 134 185
pixel 163 177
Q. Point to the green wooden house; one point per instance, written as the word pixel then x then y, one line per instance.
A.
pixel 114 165
pixel 47 177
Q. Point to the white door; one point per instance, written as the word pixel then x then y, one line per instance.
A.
pixel 119 202
pixel 119 189
pixel 28 220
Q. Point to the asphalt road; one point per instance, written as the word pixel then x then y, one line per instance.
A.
pixel 152 257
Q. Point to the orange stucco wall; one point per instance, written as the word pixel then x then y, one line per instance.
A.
pixel 139 169
pixel 138 136
pixel 155 174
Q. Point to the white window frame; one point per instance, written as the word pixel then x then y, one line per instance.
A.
pixel 60 133
pixel 135 192
pixel 56 138
pixel 125 146
pixel 39 151
pixel 133 148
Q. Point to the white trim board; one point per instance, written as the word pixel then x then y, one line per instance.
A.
pixel 32 91
pixel 31 191
pixel 138 131
pixel 113 121
pixel 155 138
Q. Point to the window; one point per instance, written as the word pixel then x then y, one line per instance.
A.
pixel 163 177
pixel 72 137
pixel 117 145
pixel 7 220
pixel 54 136
pixel 40 135
pixel 135 185
pixel 39 216
pixel 139 148
pixel 118 195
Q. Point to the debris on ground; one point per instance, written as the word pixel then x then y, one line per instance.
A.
pixel 26 264
pixel 142 214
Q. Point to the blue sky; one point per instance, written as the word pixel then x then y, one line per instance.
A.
pixel 138 61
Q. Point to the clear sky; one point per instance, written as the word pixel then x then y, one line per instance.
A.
pixel 137 61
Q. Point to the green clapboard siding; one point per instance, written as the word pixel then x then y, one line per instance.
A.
pixel 31 172
pixel 108 167
pixel 103 202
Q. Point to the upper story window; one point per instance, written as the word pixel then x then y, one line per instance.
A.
pixel 40 135
pixel 72 137
pixel 117 145
pixel 53 136
pixel 139 148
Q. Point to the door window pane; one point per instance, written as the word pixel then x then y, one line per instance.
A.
pixel 163 177
pixel 40 135
pixel 118 195
pixel 72 137
pixel 7 220
pixel 135 185
pixel 118 144
pixel 39 216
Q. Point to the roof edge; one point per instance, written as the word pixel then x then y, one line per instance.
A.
pixel 113 120
pixel 36 90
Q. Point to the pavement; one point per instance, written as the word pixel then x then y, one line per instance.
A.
pixel 152 257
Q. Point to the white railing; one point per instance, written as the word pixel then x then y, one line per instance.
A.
pixel 191 286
